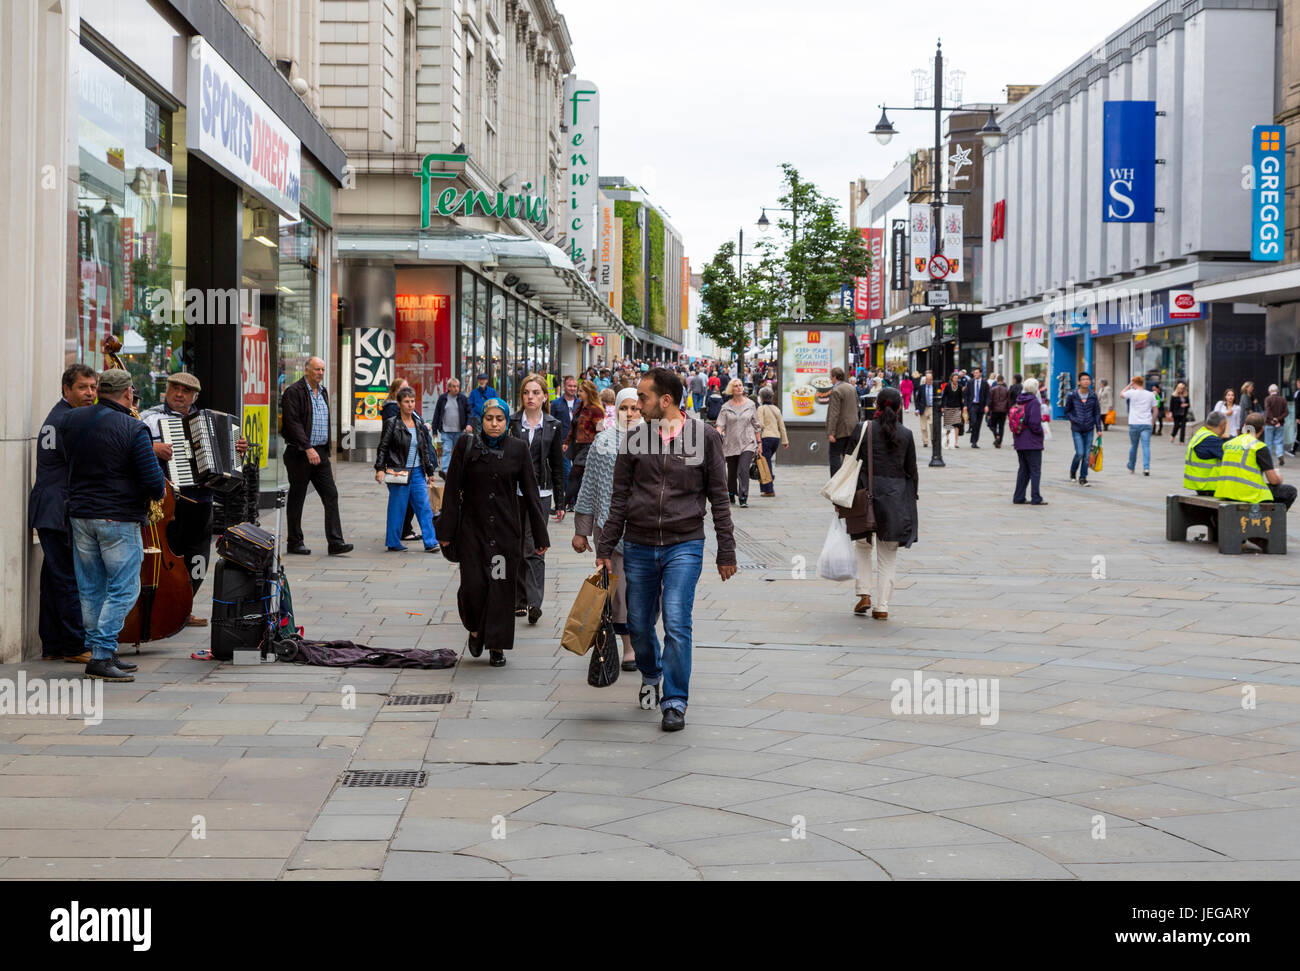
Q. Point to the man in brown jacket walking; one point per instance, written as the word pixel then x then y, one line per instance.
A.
pixel 841 418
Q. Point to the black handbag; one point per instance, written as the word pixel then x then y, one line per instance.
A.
pixel 606 656
pixel 249 546
pixel 861 516
pixel 753 470
pixel 449 552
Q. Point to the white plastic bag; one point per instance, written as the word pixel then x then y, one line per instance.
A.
pixel 838 561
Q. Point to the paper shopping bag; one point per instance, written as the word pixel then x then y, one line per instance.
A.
pixel 583 622
pixel 435 497
pixel 764 471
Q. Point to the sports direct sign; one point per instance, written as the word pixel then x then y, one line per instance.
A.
pixel 233 129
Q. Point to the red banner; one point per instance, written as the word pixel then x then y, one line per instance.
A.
pixel 869 291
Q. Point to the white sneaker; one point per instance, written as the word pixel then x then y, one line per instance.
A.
pixel 649 697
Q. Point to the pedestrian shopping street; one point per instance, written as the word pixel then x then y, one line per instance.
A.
pixel 1123 746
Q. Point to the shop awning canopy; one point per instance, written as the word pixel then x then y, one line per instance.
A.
pixel 534 270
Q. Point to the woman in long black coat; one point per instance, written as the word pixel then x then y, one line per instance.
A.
pixel 895 491
pixel 483 515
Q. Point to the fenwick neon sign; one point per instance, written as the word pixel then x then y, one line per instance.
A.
pixel 518 205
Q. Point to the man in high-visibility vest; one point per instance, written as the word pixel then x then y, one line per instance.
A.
pixel 1204 453
pixel 1246 473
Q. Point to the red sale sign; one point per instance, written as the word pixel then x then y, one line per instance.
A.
pixel 255 380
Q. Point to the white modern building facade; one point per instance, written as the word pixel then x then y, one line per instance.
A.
pixel 1114 298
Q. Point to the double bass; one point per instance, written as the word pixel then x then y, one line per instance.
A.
pixel 166 594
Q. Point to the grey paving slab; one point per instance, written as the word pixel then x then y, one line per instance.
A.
pixel 405 865
pixel 987 861
pixel 635 863
pixel 1244 835
pixel 344 826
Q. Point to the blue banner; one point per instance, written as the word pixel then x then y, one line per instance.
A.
pixel 1128 162
pixel 1268 156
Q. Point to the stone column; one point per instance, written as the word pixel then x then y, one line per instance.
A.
pixel 35 208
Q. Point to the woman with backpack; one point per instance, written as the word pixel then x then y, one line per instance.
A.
pixel 893 484
pixel 1026 421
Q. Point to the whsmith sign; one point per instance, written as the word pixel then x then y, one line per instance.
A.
pixel 1128 162
pixel 1116 310
pixel 450 202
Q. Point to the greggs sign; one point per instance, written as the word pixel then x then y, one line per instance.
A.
pixel 235 131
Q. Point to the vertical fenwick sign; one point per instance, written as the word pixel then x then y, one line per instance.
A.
pixel 1128 162
pixel 1268 157
pixel 582 141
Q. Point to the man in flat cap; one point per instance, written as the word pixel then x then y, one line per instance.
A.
pixel 112 475
pixel 190 532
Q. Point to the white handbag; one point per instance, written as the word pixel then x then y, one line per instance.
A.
pixel 843 485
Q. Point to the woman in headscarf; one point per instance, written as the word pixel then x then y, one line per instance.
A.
pixel 591 508
pixel 491 492
pixel 586 425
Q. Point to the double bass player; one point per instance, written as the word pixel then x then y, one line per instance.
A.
pixel 112 475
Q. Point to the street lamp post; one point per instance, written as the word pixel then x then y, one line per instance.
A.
pixel 992 136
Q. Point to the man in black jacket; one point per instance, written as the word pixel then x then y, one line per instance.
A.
pixel 671 466
pixel 977 403
pixel 305 432
pixel 112 475
pixel 451 419
pixel 62 636
pixel 1083 412
pixel 542 434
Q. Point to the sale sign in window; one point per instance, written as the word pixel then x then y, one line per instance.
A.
pixel 256 385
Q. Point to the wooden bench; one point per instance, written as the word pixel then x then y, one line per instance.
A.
pixel 1230 523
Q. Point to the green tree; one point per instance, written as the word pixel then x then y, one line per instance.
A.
pixel 826 255
pixel 731 305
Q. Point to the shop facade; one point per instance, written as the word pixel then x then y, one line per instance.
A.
pixel 189 226
pixel 203 210
pixel 1118 290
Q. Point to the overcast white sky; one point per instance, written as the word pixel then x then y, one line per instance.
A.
pixel 701 100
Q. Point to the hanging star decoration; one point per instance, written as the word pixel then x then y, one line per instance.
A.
pixel 959 161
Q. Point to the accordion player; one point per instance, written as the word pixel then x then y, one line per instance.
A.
pixel 199 448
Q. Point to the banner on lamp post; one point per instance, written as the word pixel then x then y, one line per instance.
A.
pixel 953 243
pixel 922 247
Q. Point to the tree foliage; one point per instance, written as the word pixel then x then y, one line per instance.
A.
pixel 813 257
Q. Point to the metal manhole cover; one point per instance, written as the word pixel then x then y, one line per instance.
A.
pixel 440 699
pixel 404 779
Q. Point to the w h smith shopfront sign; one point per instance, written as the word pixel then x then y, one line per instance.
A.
pixel 1128 162
pixel 1119 310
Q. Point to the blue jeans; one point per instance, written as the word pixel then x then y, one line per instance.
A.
pixel 1274 438
pixel 417 494
pixel 1080 461
pixel 1139 433
pixel 664 575
pixel 449 440
pixel 107 558
pixel 568 465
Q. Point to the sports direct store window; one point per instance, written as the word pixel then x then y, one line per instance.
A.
pixel 130 237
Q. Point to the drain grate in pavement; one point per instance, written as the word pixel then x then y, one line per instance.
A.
pixel 354 778
pixel 441 699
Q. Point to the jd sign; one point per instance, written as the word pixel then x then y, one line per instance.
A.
pixel 518 205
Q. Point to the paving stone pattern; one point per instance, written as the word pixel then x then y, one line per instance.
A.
pixel 1121 662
